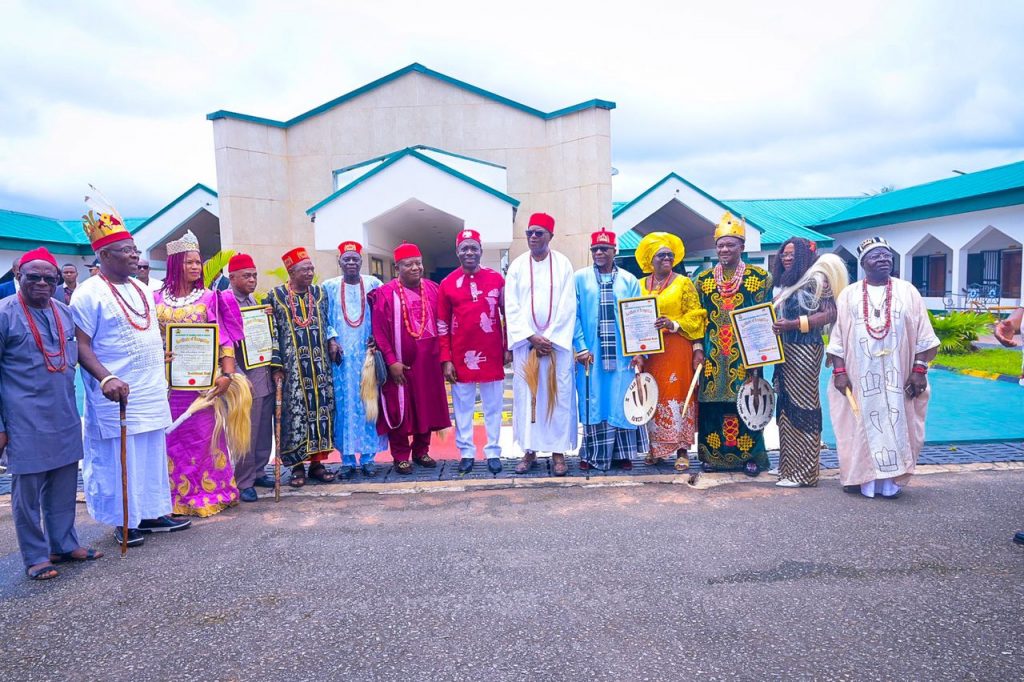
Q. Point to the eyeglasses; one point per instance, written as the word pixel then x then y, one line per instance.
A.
pixel 536 233
pixel 600 248
pixel 143 267
pixel 36 279
pixel 126 251
pixel 665 256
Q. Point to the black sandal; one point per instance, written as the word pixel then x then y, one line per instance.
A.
pixel 751 469
pixel 90 555
pixel 298 478
pixel 321 473
pixel 47 572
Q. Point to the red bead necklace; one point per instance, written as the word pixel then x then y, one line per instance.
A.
pixel 656 287
pixel 62 348
pixel 362 305
pixel 405 311
pixel 728 288
pixel 551 295
pixel 126 306
pixel 877 333
pixel 307 298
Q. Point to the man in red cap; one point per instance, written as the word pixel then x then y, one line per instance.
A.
pixel 350 315
pixel 40 431
pixel 540 306
pixel 474 350
pixel 306 345
pixel 609 438
pixel 412 400
pixel 250 470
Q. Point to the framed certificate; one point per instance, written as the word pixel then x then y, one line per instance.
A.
pixel 636 326
pixel 195 348
pixel 258 344
pixel 759 345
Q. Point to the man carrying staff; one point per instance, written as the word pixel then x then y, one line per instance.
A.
pixel 412 401
pixel 306 343
pixel 540 307
pixel 609 439
pixel 880 348
pixel 120 348
pixel 350 316
pixel 39 424
pixel 725 442
pixel 250 470
pixel 474 350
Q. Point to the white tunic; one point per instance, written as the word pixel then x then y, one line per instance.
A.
pixel 552 290
pixel 137 358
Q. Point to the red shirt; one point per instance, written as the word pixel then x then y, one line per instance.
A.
pixel 471 324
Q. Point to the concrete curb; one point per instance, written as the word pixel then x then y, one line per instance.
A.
pixel 979 374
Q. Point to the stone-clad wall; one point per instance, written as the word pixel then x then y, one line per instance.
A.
pixel 267 177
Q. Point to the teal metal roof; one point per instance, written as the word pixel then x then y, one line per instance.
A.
pixel 24 231
pixel 785 218
pixel 400 154
pixel 418 68
pixel 991 188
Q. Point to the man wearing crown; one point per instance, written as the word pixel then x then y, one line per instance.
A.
pixel 39 425
pixel 412 400
pixel 540 306
pixel 306 344
pixel 120 348
pixel 609 439
pixel 474 350
pixel 880 347
pixel 349 312
pixel 725 442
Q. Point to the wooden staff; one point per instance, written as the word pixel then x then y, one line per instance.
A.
pixel 277 440
pixel 853 402
pixel 123 405
pixel 693 386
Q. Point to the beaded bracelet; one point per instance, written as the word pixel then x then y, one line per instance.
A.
pixel 839 370
pixel 920 369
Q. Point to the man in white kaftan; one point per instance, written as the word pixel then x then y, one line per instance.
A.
pixel 540 309
pixel 884 358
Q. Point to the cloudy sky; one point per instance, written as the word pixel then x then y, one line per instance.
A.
pixel 745 99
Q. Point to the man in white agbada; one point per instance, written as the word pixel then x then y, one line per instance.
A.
pixel 122 354
pixel 880 348
pixel 540 308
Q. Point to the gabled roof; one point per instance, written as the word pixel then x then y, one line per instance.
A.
pixel 23 231
pixel 390 159
pixel 991 188
pixel 619 208
pixel 417 68
pixel 196 187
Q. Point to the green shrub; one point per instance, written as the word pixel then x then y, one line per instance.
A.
pixel 957 330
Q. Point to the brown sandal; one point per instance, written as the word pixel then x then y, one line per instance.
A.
pixel 298 478
pixel 682 463
pixel 321 473
pixel 650 460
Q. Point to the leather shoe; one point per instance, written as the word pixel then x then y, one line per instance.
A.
pixel 494 465
pixel 465 465
pixel 346 472
pixel 558 466
pixel 135 537
pixel 584 466
pixel 369 470
pixel 425 460
pixel 264 482
pixel 248 495
pixel 526 463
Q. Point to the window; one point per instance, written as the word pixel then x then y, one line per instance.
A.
pixel 377 268
pixel 928 274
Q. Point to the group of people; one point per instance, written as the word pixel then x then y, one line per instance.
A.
pixel 359 366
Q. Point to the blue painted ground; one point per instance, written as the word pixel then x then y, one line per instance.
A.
pixel 962 409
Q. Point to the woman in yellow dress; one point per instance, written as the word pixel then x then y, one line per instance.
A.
pixel 683 320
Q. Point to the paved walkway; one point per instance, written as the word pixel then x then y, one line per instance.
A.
pixel 742 582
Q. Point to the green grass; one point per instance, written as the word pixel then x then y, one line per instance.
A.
pixel 999 360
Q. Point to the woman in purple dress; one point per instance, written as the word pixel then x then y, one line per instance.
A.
pixel 202 480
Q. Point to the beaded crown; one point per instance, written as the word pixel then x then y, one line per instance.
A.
pixel 729 226
pixel 188 242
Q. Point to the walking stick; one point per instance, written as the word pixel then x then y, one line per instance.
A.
pixel 693 385
pixel 586 420
pixel 123 408
pixel 853 402
pixel 277 440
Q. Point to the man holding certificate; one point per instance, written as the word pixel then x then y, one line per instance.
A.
pixel 725 442
pixel 252 358
pixel 609 439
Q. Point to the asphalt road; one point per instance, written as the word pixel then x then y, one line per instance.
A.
pixel 654 582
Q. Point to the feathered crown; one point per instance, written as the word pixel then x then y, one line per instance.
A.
pixel 188 242
pixel 728 226
pixel 102 224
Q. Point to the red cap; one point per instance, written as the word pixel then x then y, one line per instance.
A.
pixel 293 257
pixel 406 250
pixel 542 220
pixel 345 247
pixel 468 234
pixel 240 261
pixel 602 238
pixel 39 254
